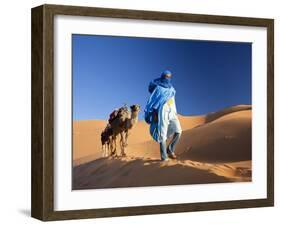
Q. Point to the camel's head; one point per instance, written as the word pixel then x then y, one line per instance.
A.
pixel 135 108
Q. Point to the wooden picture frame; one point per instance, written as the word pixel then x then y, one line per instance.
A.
pixel 42 204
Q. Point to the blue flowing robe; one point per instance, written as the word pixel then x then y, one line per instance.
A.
pixel 156 101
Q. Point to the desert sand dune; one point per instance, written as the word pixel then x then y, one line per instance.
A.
pixel 226 139
pixel 215 115
pixel 134 172
pixel 86 138
pixel 213 148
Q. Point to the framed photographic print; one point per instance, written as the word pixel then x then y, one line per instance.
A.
pixel 142 112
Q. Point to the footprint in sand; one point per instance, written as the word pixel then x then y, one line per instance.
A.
pixel 228 166
pixel 192 163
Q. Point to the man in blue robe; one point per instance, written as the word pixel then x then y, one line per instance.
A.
pixel 161 114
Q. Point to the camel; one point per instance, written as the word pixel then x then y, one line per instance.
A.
pixel 106 138
pixel 130 122
pixel 118 126
pixel 117 118
pixel 123 121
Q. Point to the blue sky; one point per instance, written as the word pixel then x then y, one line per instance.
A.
pixel 109 71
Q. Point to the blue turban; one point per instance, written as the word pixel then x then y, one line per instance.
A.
pixel 162 81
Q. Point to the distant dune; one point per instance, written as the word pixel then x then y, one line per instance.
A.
pixel 213 148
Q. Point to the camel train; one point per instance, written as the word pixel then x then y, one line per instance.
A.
pixel 120 122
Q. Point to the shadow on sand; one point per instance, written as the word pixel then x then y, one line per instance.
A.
pixel 137 172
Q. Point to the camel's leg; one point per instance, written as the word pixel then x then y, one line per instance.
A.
pixel 126 137
pixel 111 146
pixel 115 146
pixel 107 149
pixel 103 151
pixel 122 144
pixel 113 151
